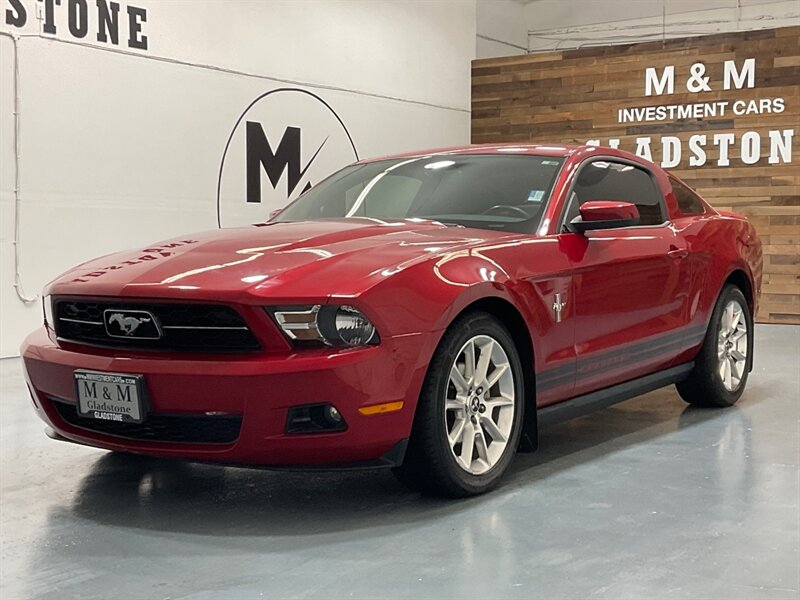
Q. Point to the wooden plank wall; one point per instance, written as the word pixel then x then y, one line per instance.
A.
pixel 573 96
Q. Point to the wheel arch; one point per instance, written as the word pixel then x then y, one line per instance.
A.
pixel 739 278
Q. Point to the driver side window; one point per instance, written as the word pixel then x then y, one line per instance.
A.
pixel 609 180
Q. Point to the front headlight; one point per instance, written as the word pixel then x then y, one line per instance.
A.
pixel 352 327
pixel 323 324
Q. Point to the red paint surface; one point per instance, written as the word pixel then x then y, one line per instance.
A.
pixel 606 210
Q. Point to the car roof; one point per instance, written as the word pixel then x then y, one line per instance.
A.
pixel 539 149
pixel 555 150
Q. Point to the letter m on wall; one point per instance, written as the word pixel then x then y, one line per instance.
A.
pixel 739 79
pixel 260 154
pixel 653 84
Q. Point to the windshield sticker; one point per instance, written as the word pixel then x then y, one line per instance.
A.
pixel 535 195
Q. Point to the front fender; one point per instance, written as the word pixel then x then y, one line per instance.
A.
pixel 428 296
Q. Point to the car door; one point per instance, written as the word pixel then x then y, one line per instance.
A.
pixel 630 285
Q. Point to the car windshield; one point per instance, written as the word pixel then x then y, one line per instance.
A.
pixel 484 191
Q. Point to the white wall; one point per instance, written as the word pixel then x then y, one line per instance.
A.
pixel 121 147
pixel 511 27
pixel 564 24
pixel 501 28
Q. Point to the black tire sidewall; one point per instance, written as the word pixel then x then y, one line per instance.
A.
pixel 710 360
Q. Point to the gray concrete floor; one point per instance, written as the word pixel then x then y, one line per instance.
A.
pixel 648 499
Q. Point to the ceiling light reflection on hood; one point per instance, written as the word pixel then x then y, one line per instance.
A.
pixel 254 278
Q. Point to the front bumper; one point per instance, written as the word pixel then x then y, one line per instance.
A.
pixel 259 388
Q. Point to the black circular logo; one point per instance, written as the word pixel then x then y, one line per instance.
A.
pixel 285 141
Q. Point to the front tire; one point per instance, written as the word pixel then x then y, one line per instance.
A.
pixel 468 420
pixel 725 359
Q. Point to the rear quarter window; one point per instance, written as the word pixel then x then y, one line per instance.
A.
pixel 689 202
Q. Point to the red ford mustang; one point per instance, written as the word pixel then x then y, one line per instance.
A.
pixel 427 312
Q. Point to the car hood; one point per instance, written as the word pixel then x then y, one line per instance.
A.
pixel 309 259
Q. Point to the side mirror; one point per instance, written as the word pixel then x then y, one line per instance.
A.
pixel 604 214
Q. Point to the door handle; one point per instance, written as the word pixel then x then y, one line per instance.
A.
pixel 677 253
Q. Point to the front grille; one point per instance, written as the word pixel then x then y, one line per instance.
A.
pixel 185 327
pixel 187 429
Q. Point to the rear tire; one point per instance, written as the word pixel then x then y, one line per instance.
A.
pixel 470 412
pixel 726 357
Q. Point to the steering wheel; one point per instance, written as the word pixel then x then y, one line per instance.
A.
pixel 508 208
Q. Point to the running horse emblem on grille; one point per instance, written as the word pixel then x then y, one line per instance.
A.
pixel 127 324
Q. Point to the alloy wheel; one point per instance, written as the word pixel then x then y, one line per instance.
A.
pixel 480 404
pixel 732 346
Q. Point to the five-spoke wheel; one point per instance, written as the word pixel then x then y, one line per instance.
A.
pixel 468 420
pixel 724 361
pixel 479 411
pixel 732 346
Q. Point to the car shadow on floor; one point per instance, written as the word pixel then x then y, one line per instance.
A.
pixel 168 495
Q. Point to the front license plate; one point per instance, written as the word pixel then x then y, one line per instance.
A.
pixel 110 396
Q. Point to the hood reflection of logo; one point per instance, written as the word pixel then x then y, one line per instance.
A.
pixel 312 142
